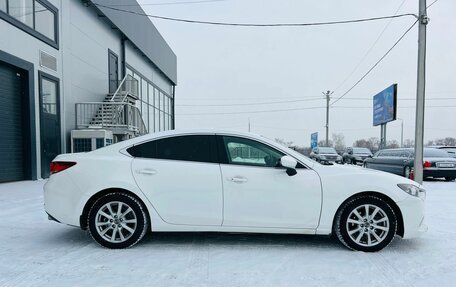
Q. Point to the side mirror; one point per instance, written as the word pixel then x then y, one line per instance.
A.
pixel 290 164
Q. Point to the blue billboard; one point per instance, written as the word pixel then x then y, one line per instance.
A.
pixel 385 104
pixel 313 140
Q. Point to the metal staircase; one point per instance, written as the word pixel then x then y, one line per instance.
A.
pixel 117 112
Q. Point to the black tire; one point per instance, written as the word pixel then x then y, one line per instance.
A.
pixel 341 228
pixel 449 178
pixel 137 214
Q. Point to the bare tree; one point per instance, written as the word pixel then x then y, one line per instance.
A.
pixel 339 141
pixel 323 143
pixel 283 142
pixel 372 143
pixel 392 144
pixel 448 141
pixel 409 143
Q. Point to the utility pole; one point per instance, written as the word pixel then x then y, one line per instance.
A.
pixel 328 99
pixel 402 132
pixel 249 124
pixel 420 92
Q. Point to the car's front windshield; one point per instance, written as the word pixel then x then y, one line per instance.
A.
pixel 327 150
pixel 361 150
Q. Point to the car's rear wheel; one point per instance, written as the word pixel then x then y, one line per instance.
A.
pixel 117 220
pixel 365 223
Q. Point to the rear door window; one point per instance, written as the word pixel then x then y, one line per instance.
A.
pixel 199 148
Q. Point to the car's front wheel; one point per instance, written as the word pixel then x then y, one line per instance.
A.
pixel 117 220
pixel 365 223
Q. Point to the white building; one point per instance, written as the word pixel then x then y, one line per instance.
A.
pixel 56 56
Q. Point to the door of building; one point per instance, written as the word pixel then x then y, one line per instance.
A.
pixel 113 67
pixel 50 121
pixel 13 157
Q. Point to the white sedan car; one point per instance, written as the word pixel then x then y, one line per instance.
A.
pixel 227 182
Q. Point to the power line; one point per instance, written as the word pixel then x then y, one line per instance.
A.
pixel 247 99
pixel 293 101
pixel 376 64
pixel 296 109
pixel 168 3
pixel 370 49
pixel 256 25
pixel 431 4
pixel 404 99
pixel 246 104
pixel 253 112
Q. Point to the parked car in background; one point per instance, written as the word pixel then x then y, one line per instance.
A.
pixel 450 149
pixel 356 155
pixel 437 163
pixel 326 155
pixel 216 181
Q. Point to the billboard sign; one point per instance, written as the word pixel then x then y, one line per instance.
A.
pixel 385 106
pixel 313 140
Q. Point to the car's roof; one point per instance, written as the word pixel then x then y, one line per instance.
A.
pixel 169 133
pixel 404 149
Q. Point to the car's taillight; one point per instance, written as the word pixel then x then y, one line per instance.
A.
pixel 58 166
pixel 427 164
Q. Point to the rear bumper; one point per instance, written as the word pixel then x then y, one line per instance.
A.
pixel 439 172
pixel 60 199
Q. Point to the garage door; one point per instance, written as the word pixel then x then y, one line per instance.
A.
pixel 12 94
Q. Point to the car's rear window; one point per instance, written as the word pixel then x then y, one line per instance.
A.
pixel 435 153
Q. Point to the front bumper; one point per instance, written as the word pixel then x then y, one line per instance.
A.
pixel 412 209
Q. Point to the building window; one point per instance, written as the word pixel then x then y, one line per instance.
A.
pixel 36 17
pixel 3 5
pixel 154 104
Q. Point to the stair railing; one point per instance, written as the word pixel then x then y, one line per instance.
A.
pixel 131 90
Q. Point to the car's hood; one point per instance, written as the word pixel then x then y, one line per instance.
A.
pixel 336 178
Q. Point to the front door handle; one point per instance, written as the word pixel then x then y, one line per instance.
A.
pixel 237 179
pixel 146 171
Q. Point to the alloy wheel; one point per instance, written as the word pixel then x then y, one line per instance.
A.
pixel 116 222
pixel 368 225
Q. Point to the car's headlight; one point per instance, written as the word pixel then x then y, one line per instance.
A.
pixel 413 190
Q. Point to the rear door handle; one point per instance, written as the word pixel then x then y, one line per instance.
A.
pixel 146 171
pixel 237 179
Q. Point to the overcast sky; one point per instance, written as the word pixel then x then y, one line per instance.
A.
pixel 229 66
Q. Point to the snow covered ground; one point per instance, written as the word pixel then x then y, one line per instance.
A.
pixel 38 252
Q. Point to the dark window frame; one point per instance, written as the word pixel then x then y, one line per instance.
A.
pixel 31 31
